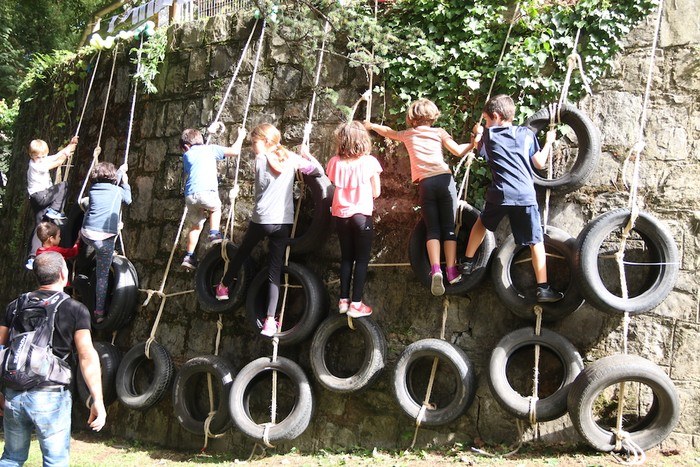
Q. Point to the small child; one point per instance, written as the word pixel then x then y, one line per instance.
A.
pixel 511 152
pixel 436 186
pixel 202 187
pixel 45 198
pixel 50 236
pixel 110 188
pixel 355 174
pixel 273 213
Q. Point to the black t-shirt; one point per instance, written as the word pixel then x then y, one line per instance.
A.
pixel 71 316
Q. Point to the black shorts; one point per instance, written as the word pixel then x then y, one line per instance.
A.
pixel 524 221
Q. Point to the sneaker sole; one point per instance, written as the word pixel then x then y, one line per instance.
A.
pixel 456 280
pixel 267 334
pixel 358 315
pixel 437 288
pixel 188 266
pixel 222 298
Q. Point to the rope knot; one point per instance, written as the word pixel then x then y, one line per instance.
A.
pixel 216 128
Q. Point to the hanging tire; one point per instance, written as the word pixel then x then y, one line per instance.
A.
pixel 418 254
pixel 373 361
pixel 122 293
pixel 418 358
pixel 514 278
pixel 307 301
pixel 547 408
pixel 575 163
pixel 141 388
pixel 585 395
pixel 314 221
pixel 191 394
pixel 655 245
pixel 210 272
pixel 243 395
pixel 110 358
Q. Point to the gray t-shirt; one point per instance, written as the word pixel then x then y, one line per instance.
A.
pixel 274 203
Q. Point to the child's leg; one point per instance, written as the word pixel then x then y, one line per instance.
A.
pixel 447 208
pixel 363 227
pixel 431 217
pixel 193 236
pixel 215 219
pixel 58 196
pixel 539 262
pixel 252 237
pixel 476 236
pixel 278 239
pixel 104 249
pixel 347 254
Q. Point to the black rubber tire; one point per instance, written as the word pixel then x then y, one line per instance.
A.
pixel 659 422
pixel 375 350
pixel 589 148
pixel 521 298
pixel 71 227
pixel 313 226
pixel 139 398
pixel 110 358
pixel 411 403
pixel 209 274
pixel 418 255
pixel 548 408
pixel 296 421
pixel 303 311
pixel 188 413
pixel 659 243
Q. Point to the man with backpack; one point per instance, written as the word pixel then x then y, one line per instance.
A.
pixel 39 332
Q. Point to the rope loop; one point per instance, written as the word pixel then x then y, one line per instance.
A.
pixel 532 404
pixel 351 325
pixel 266 434
pixel 149 341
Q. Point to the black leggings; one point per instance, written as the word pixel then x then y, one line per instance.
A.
pixel 355 235
pixel 438 202
pixel 278 235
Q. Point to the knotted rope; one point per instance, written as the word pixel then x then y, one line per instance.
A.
pixel 210 388
pixel 317 79
pixel 433 371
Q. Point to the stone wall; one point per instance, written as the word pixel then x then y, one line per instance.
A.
pixel 197 69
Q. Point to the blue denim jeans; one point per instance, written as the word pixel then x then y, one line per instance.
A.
pixel 47 412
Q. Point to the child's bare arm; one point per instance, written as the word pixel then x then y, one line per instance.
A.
pixel 235 149
pixel 376 186
pixel 539 159
pixel 381 130
pixel 63 154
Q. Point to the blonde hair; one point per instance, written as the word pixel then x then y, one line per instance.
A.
pixel 422 112
pixel 352 140
pixel 271 136
pixel 38 147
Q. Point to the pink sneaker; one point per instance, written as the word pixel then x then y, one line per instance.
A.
pixel 269 329
pixel 453 275
pixel 343 305
pixel 359 311
pixel 221 292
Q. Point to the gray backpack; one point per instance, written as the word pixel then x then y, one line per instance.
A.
pixel 28 359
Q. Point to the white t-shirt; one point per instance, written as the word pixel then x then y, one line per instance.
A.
pixel 38 178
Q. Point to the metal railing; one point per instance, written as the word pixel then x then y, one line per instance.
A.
pixel 191 10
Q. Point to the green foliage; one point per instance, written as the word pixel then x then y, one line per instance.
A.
pixel 8 115
pixel 152 55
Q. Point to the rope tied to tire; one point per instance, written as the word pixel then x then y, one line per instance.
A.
pixel 573 62
pixel 433 371
pixel 537 309
pixel 623 440
pixel 210 389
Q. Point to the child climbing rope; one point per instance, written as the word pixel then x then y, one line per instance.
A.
pixel 50 236
pixel 273 213
pixel 202 186
pixel 355 174
pixel 436 186
pixel 511 152
pixel 110 188
pixel 45 198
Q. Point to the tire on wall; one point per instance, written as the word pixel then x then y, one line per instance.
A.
pixel 418 255
pixel 313 226
pixel 660 420
pixel 547 408
pixel 294 423
pixel 577 161
pixel 191 394
pixel 210 272
pixel 141 388
pixel 514 281
pixel 656 246
pixel 418 358
pixel 122 293
pixel 110 358
pixel 373 362
pixel 307 301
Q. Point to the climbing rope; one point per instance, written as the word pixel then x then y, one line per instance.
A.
pixel 622 438
pixel 536 372
pixel 80 122
pixel 210 388
pixel 433 371
pixel 317 79
pixel 98 149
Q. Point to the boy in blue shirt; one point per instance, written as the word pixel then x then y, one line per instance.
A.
pixel 511 152
pixel 202 186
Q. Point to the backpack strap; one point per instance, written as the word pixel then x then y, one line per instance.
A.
pixel 62 297
pixel 19 306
